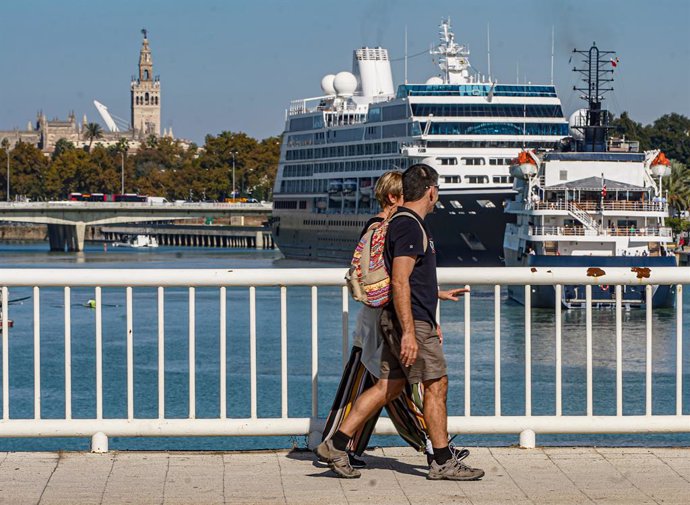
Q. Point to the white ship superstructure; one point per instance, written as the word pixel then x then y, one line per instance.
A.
pixel 337 145
pixel 597 204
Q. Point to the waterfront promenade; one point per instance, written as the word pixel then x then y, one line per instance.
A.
pixel 393 476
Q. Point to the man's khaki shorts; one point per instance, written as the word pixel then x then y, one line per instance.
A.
pixel 430 363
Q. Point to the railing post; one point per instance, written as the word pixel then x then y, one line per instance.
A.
pixel 99 443
pixel 528 439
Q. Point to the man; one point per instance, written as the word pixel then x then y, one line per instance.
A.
pixel 412 345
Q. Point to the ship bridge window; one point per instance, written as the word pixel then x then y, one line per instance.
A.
pixel 472 161
pixel 485 128
pixel 301 123
pixel 394 112
pixel 374 115
pixel 447 161
pixel 394 130
pixel 456 204
pixel 487 204
pixel 477 179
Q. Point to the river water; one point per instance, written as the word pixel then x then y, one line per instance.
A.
pixel 35 255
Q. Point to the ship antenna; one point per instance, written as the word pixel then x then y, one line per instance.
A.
pixel 405 54
pixel 488 49
pixel 552 49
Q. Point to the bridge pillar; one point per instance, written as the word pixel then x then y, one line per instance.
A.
pixel 67 237
pixel 80 232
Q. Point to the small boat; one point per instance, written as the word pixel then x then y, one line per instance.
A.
pixel 365 187
pixel 138 241
pixel 349 186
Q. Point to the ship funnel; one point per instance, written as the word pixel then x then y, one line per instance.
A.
pixel 372 68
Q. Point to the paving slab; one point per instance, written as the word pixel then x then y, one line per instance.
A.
pixel 395 476
pixel 24 476
pixel 78 478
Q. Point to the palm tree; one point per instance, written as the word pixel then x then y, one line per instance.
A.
pixel 678 186
pixel 93 131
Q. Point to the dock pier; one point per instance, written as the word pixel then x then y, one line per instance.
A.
pixel 248 237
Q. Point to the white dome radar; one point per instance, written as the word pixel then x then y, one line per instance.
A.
pixel 434 80
pixel 345 84
pixel 327 84
pixel 577 119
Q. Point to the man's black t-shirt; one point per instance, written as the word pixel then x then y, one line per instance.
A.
pixel 405 238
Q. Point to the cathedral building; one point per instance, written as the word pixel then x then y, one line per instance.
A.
pixel 145 108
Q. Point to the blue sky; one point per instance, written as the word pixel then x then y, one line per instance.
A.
pixel 235 65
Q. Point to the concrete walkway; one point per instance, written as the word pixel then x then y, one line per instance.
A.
pixel 393 476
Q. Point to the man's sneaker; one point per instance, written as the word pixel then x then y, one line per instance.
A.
pixel 356 463
pixel 453 470
pixel 458 454
pixel 338 461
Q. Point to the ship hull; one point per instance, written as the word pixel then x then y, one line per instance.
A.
pixel 467 229
pixel 603 295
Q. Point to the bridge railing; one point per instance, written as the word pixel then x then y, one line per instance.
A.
pixel 281 281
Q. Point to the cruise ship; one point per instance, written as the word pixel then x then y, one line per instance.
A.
pixel 467 126
pixel 598 204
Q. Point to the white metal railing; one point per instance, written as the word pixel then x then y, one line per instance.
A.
pixel 596 206
pixel 606 232
pixel 282 279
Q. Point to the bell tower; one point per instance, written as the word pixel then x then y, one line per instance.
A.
pixel 145 95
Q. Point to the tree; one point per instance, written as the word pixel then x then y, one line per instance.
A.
pixel 61 146
pixel 671 134
pixel 5 144
pixel 29 167
pixel 678 186
pixel 624 126
pixel 93 131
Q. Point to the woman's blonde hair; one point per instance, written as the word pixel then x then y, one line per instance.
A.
pixel 389 183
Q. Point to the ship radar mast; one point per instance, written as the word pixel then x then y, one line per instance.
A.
pixel 453 62
pixel 597 75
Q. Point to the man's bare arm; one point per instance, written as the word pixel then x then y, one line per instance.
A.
pixel 400 283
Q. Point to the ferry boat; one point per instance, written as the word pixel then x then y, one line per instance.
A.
pixel 467 126
pixel 138 242
pixel 595 203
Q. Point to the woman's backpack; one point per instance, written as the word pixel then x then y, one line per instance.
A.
pixel 368 279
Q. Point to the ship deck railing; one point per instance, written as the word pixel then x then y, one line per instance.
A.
pixel 596 206
pixel 581 231
pixel 260 299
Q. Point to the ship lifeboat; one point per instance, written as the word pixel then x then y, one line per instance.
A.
pixel 660 166
pixel 349 186
pixel 524 166
pixel 335 186
pixel 365 187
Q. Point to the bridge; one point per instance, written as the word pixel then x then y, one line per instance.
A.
pixel 67 221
